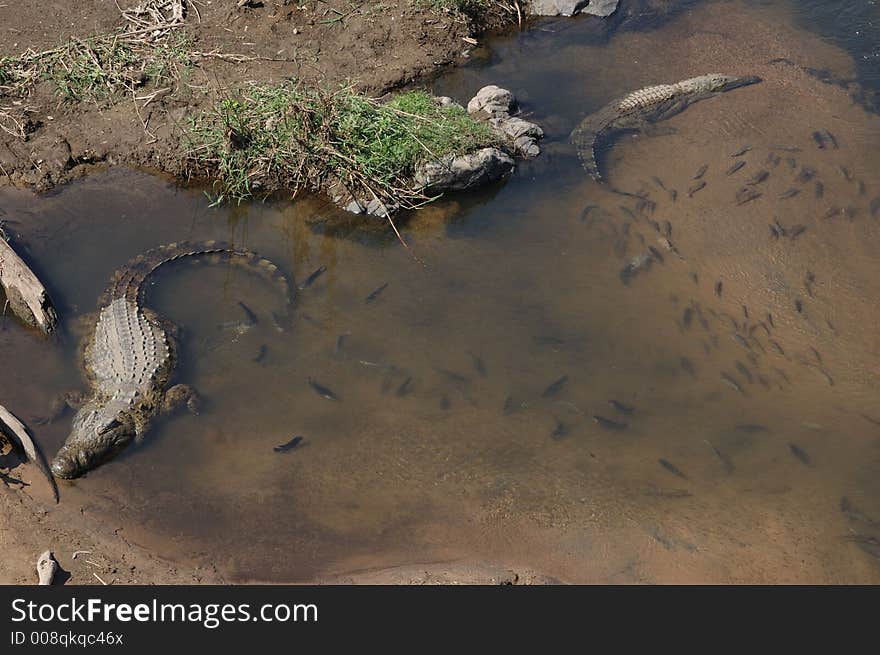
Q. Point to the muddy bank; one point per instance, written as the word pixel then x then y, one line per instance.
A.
pixel 47 139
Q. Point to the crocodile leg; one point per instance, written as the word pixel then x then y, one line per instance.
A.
pixel 71 400
pixel 179 395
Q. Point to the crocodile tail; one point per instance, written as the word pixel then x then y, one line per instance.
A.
pixel 128 282
pixel 584 140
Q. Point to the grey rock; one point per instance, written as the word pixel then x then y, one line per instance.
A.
pixel 526 146
pixel 377 208
pixel 514 128
pixel 457 173
pixel 493 101
pixel 556 7
pixel 601 8
pixel 354 207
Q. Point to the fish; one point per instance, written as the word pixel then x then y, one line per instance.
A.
pixel 874 207
pixel 620 407
pixel 555 387
pixel 666 243
pixel 687 317
pixel 819 189
pixel 830 137
pixel 261 354
pixel 800 453
pixel 854 514
pixel 656 253
pixel 687 366
pixel 585 212
pixel 733 169
pixel 745 195
pixel 658 182
pixel 819 138
pixel 797 230
pixel 479 366
pixel 701 171
pixel 445 404
pixel 733 384
pixel 290 445
pixel 846 173
pixel 770 319
pixel 375 294
pixel 745 311
pixel 782 374
pixel 778 348
pixel 672 468
pixel 719 287
pixel 510 406
pixel 559 431
pixel 452 375
pixel 741 151
pixel 790 193
pixel 314 275
pixel 746 373
pixel 725 461
pixel 774 232
pixel 751 428
pixel 608 424
pixel 340 344
pixel 799 306
pixel 806 174
pixel 251 317
pixel 638 264
pixel 696 187
pixel 758 177
pixel 668 493
pixel 667 229
pixel 773 159
pixel 809 281
pixel 322 391
pixel 673 195
pixel 405 387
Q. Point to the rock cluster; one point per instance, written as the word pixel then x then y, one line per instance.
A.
pixel 453 172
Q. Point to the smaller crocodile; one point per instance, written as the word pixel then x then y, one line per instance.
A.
pixel 637 110
pixel 130 359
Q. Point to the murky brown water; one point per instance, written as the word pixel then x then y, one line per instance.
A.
pixel 524 278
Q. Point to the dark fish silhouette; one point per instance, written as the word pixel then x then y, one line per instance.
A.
pixel 554 388
pixel 608 424
pixel 405 387
pixel 620 407
pixel 800 453
pixel 322 391
pixel 733 169
pixel 741 151
pixel 696 187
pixel 314 275
pixel 672 468
pixel 261 354
pixel 251 317
pixel 290 445
pixel 701 172
pixel 375 294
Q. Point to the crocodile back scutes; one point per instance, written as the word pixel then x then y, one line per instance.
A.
pixel 127 352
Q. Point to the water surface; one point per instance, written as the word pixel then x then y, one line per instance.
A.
pixel 745 439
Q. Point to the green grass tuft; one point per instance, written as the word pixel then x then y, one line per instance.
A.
pixel 305 138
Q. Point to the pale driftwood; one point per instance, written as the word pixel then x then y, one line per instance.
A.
pixel 46 568
pixel 25 294
pixel 16 430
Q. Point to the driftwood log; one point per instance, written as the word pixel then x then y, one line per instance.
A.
pixel 18 433
pixel 24 293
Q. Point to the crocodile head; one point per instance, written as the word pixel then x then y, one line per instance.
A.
pixel 99 432
pixel 717 83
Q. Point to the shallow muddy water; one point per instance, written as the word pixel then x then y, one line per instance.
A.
pixel 743 440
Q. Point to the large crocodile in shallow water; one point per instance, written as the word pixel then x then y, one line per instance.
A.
pixel 130 359
pixel 639 109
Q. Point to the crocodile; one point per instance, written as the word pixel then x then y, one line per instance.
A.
pixel 639 109
pixel 130 358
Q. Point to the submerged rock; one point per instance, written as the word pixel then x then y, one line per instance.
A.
pixel 461 172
